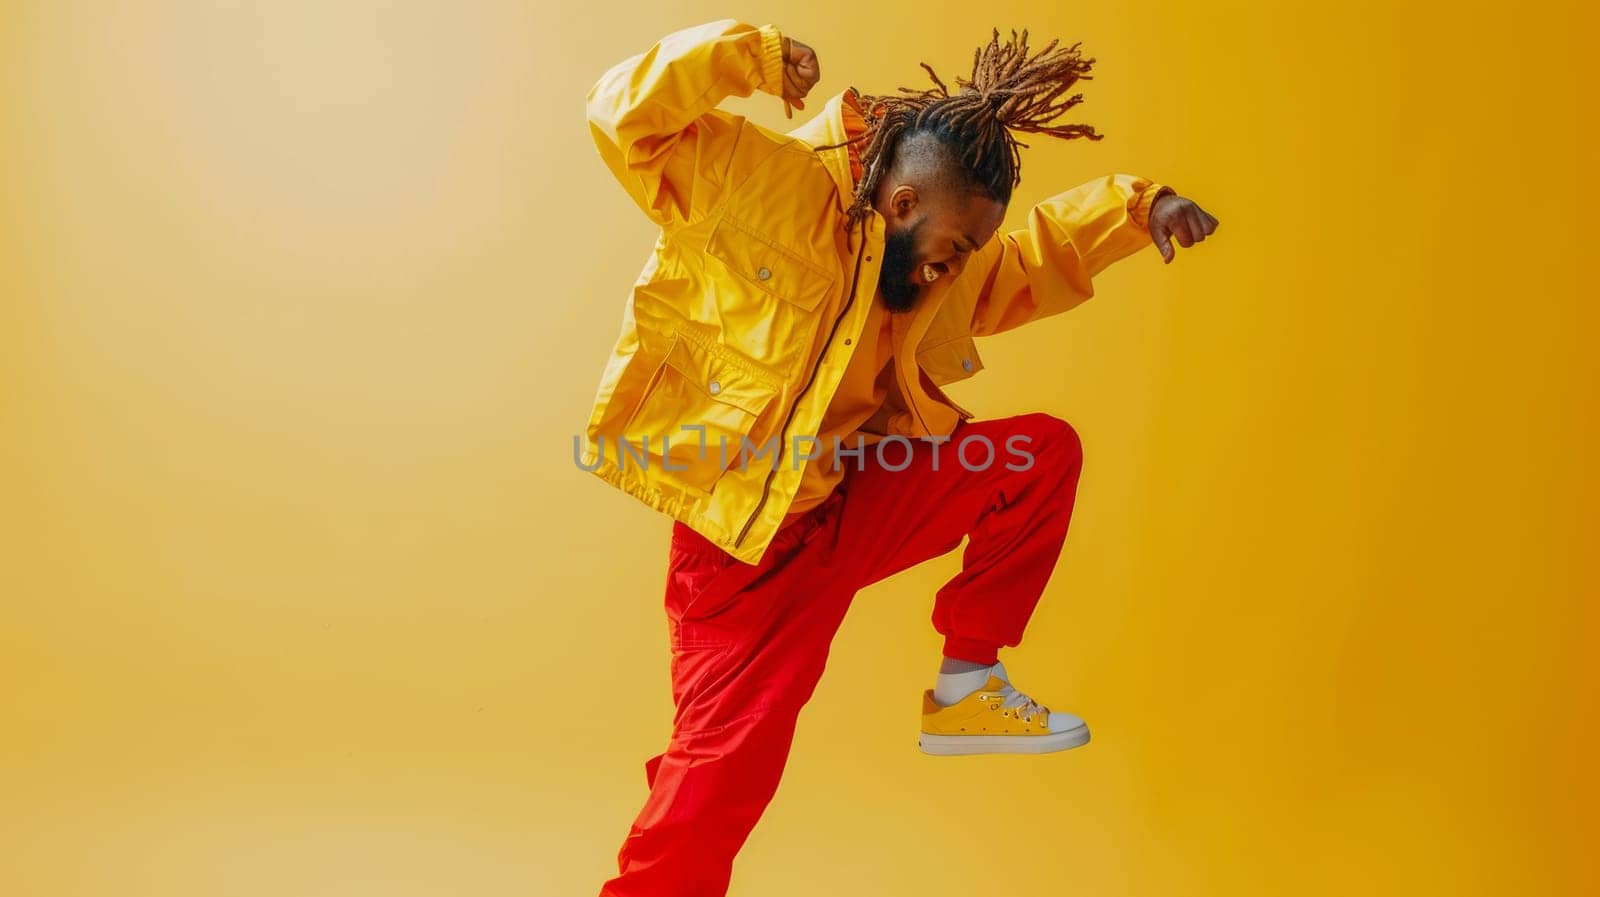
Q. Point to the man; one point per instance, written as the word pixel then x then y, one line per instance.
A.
pixel 809 297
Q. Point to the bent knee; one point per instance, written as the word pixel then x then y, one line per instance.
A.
pixel 1050 435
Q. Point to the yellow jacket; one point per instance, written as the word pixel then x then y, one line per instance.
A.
pixel 738 331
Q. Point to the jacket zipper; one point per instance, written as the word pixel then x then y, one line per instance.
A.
pixel 766 486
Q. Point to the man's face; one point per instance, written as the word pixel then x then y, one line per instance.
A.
pixel 931 240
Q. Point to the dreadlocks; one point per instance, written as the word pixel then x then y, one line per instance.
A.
pixel 1008 92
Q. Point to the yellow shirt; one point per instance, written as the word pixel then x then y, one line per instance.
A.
pixel 866 384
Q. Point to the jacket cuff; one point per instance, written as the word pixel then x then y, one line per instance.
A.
pixel 1139 209
pixel 771 60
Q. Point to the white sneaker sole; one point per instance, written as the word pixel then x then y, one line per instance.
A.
pixel 953 745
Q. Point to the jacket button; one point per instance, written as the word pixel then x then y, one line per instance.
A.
pixel 966 365
pixel 763 274
pixel 714 387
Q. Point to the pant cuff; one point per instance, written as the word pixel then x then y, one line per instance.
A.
pixel 971 650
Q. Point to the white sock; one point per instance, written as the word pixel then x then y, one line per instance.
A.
pixel 950 688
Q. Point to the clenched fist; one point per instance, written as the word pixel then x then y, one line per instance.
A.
pixel 800 73
pixel 1175 216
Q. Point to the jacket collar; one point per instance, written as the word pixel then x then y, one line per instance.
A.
pixel 825 129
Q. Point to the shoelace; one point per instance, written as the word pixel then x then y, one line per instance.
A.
pixel 1020 704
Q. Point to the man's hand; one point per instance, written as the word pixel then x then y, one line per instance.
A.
pixel 1174 216
pixel 800 73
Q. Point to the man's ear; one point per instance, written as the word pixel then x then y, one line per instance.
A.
pixel 903 201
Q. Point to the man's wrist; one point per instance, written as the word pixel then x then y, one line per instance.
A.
pixel 1145 205
pixel 774 51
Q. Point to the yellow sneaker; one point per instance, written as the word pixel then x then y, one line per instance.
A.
pixel 997 719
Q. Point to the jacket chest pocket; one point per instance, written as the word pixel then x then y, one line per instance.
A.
pixel 950 360
pixel 756 261
pixel 699 409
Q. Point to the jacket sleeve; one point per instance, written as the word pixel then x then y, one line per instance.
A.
pixel 653 116
pixel 1047 267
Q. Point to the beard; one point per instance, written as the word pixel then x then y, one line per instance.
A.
pixel 894 278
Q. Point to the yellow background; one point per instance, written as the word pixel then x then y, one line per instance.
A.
pixel 304 595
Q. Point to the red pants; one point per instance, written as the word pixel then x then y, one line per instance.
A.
pixel 749 641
